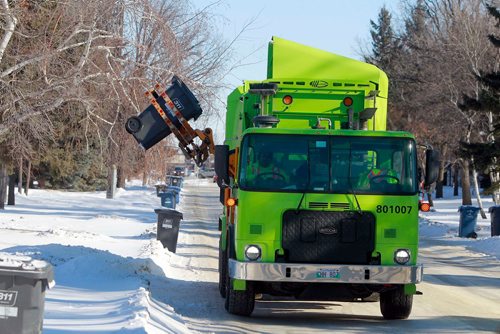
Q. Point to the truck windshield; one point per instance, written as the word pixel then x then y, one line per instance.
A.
pixel 333 164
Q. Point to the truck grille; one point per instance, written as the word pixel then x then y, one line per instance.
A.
pixel 332 205
pixel 318 205
pixel 344 237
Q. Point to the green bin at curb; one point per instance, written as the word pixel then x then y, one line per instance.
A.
pixel 23 282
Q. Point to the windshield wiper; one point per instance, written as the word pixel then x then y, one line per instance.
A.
pixel 349 179
pixel 305 190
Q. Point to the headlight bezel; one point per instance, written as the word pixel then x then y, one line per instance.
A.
pixel 253 257
pixel 402 256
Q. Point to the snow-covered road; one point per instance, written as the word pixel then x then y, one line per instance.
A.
pixel 461 288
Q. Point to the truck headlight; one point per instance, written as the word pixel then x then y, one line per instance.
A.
pixel 402 256
pixel 252 252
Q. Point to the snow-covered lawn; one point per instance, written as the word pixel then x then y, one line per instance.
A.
pixel 102 251
pixel 106 257
pixel 443 224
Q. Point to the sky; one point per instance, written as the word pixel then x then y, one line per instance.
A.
pixel 338 26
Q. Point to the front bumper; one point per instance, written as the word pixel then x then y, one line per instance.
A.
pixel 326 273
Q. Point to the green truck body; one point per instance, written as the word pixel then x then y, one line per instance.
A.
pixel 324 223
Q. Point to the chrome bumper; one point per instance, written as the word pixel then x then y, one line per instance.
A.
pixel 326 273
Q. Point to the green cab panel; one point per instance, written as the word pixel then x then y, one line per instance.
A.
pixel 259 220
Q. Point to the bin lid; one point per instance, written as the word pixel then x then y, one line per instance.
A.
pixel 169 212
pixel 168 193
pixel 468 208
pixel 494 208
pixel 25 266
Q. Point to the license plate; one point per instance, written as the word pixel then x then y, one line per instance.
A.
pixel 328 273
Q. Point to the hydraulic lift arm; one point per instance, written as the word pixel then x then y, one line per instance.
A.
pixel 186 135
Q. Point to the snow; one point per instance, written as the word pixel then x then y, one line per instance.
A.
pixel 113 276
pixel 442 223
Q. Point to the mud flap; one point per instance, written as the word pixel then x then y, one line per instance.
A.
pixel 239 284
pixel 411 289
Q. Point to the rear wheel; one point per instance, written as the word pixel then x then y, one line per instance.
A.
pixel 239 302
pixel 222 269
pixel 395 304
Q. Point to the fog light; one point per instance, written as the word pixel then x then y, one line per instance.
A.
pixel 252 252
pixel 402 256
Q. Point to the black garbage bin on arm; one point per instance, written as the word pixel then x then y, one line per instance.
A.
pixel 495 220
pixel 168 227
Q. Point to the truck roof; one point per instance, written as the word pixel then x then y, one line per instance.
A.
pixel 311 87
pixel 330 132
pixel 287 59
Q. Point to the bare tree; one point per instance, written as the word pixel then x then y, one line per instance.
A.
pixel 88 63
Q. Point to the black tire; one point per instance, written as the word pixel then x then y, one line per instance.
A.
pixel 395 304
pixel 239 302
pixel 222 269
pixel 374 297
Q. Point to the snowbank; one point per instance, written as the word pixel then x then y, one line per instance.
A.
pixel 442 223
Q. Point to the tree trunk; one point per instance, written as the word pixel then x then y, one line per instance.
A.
pixel 429 196
pixel 4 180
pixel 495 178
pixel 442 163
pixel 476 190
pixel 12 190
pixel 20 177
pixel 144 178
pixel 466 195
pixel 455 179
pixel 110 193
pixel 439 186
pixel 28 178
pixel 120 178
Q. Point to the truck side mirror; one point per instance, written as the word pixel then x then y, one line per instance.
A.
pixel 222 164
pixel 431 167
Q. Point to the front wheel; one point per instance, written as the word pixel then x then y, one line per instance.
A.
pixel 395 304
pixel 239 302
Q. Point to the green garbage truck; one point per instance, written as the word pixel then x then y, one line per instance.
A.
pixel 320 201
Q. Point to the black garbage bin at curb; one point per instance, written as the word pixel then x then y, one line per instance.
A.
pixel 23 282
pixel 468 220
pixel 168 227
pixel 495 220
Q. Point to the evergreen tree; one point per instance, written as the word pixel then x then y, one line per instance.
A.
pixel 487 155
pixel 383 41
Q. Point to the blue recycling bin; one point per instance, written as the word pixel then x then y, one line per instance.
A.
pixel 468 220
pixel 168 199
pixel 173 180
pixel 495 220
pixel 176 190
pixel 160 188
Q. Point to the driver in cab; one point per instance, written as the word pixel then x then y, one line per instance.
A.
pixel 266 171
pixel 379 178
